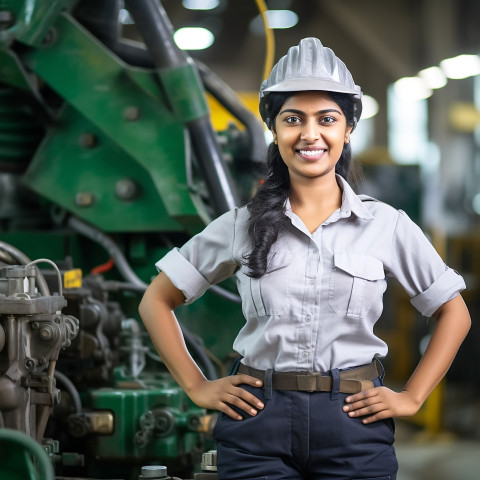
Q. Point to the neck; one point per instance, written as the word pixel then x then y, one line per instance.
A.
pixel 323 193
pixel 314 202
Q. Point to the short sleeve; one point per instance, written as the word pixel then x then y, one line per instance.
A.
pixel 206 259
pixel 419 268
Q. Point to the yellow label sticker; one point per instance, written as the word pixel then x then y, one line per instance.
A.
pixel 72 278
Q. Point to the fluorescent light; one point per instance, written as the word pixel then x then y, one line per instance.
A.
pixel 369 107
pixel 190 38
pixel 433 77
pixel 201 4
pixel 281 18
pixel 462 66
pixel 412 88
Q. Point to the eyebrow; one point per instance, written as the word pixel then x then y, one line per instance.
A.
pixel 320 112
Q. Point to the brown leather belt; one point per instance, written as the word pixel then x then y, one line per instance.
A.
pixel 351 381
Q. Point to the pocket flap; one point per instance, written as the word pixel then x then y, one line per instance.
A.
pixel 359 265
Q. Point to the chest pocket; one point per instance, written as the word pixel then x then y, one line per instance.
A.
pixel 357 284
pixel 270 293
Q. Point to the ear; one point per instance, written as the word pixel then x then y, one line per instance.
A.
pixel 347 134
pixel 274 133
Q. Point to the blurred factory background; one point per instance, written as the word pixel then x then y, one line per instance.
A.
pixel 127 126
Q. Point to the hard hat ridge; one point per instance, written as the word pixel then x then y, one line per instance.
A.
pixel 310 66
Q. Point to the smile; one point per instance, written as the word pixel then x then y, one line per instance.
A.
pixel 311 153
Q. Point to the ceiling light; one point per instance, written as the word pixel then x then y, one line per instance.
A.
pixel 190 38
pixel 369 107
pixel 201 4
pixel 433 77
pixel 281 18
pixel 462 66
pixel 412 88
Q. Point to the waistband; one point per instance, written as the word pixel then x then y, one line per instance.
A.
pixel 353 380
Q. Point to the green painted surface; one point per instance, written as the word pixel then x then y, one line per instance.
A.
pixel 96 83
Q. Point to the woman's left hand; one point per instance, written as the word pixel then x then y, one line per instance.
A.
pixel 379 403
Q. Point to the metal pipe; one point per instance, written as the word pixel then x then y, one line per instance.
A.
pixel 157 32
pixel 224 94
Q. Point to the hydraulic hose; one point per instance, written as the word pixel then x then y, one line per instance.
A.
pixel 224 94
pixel 71 389
pixel 135 283
pixel 111 247
pixel 269 39
pixel 157 32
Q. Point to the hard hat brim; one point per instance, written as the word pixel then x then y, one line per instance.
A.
pixel 312 84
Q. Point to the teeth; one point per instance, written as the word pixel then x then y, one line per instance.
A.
pixel 311 153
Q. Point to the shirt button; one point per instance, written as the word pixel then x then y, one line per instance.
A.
pixel 315 251
pixel 308 318
pixel 312 282
pixel 305 354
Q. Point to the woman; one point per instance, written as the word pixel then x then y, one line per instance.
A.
pixel 311 260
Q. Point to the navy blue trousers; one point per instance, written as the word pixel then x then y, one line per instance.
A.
pixel 300 436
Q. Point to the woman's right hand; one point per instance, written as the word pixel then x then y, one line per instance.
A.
pixel 220 394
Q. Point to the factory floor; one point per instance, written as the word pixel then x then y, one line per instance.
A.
pixel 444 458
pixel 453 454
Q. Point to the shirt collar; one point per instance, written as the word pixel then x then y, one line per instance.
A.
pixel 351 203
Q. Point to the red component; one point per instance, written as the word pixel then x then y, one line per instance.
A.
pixel 105 267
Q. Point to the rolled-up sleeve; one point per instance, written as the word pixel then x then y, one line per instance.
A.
pixel 419 268
pixel 206 259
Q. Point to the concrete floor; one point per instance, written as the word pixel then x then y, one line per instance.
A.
pixel 447 456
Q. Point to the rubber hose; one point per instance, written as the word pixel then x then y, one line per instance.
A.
pixel 71 389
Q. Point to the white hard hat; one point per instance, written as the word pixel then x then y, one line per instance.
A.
pixel 310 66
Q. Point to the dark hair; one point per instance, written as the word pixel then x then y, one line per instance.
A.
pixel 267 207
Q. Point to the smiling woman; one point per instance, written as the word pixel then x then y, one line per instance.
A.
pixel 311 259
pixel 311 131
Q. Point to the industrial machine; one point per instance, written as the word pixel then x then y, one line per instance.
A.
pixel 108 159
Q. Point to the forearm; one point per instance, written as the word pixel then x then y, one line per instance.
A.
pixel 156 311
pixel 452 325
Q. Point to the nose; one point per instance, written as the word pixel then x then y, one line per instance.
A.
pixel 310 131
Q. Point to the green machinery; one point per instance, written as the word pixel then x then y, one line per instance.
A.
pixel 107 160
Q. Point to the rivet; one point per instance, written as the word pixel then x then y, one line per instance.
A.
pixel 84 199
pixel 131 114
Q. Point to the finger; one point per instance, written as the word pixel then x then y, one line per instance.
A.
pixel 362 404
pixel 374 400
pixel 230 412
pixel 375 418
pixel 371 392
pixel 243 405
pixel 247 379
pixel 368 410
pixel 248 397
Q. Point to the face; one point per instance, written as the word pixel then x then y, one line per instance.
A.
pixel 311 130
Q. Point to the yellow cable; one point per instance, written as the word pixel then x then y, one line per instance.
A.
pixel 269 39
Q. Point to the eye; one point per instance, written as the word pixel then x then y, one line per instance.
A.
pixel 328 119
pixel 292 120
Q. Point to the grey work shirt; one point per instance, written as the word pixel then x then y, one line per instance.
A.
pixel 316 308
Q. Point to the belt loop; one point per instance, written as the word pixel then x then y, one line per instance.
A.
pixel 236 364
pixel 268 384
pixel 335 383
pixel 382 369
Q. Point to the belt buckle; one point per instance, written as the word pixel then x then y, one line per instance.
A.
pixel 307 383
